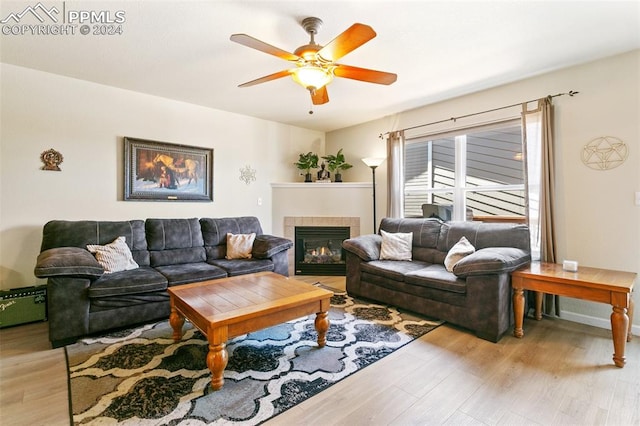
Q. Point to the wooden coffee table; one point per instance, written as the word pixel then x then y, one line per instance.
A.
pixel 234 306
pixel 594 284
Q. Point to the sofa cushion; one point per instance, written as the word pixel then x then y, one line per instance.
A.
pixel 429 255
pixel 113 257
pixel 491 260
pixel 215 230
pixel 243 266
pixel 436 276
pixel 63 233
pixel 165 234
pixel 174 241
pixel 392 269
pixel 482 235
pixel 177 256
pixel 267 246
pixel 366 247
pixel 461 249
pixel 239 246
pixel 72 261
pixel 140 280
pixel 191 272
pixel 425 231
pixel 396 245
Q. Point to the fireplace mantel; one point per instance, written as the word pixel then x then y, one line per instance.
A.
pixel 341 199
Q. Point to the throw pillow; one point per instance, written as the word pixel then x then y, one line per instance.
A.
pixel 239 246
pixel 461 249
pixel 396 246
pixel 115 256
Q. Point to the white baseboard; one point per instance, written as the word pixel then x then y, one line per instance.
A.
pixel 594 321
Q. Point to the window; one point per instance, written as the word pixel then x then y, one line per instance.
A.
pixel 473 172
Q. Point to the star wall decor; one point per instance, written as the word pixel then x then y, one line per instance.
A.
pixel 247 174
pixel 604 153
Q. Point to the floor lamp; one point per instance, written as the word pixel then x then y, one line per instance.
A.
pixel 373 162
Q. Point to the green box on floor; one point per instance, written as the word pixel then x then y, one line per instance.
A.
pixel 23 305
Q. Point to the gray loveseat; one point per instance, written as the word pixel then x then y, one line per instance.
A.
pixel 476 295
pixel 82 299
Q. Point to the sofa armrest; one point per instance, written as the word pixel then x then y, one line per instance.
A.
pixel 267 246
pixel 67 261
pixel 366 247
pixel 491 260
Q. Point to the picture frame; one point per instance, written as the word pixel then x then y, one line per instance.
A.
pixel 163 171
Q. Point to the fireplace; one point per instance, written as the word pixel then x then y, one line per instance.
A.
pixel 318 250
pixel 292 222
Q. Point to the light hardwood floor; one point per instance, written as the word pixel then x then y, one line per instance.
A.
pixel 560 373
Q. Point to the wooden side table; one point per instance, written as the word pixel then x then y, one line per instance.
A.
pixel 594 284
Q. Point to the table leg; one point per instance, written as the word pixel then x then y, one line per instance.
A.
pixel 619 328
pixel 518 312
pixel 539 297
pixel 322 325
pixel 218 356
pixel 177 321
pixel 630 315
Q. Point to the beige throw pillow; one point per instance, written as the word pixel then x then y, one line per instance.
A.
pixel 396 246
pixel 115 256
pixel 239 246
pixel 461 249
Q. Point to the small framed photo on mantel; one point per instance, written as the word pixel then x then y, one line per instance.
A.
pixel 161 171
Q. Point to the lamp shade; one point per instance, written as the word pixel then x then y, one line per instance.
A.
pixel 312 77
pixel 373 162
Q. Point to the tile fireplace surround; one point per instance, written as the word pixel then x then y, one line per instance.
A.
pixel 290 223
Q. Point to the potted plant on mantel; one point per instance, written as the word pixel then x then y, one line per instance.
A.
pixel 336 163
pixel 307 162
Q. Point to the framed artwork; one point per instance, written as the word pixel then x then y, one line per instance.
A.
pixel 160 171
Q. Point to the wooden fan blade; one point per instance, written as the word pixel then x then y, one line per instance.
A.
pixel 363 74
pixel 254 43
pixel 320 96
pixel 266 78
pixel 354 37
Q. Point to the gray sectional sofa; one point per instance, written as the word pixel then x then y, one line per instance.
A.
pixel 83 299
pixel 477 293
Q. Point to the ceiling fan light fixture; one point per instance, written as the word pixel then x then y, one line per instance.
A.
pixel 315 65
pixel 312 77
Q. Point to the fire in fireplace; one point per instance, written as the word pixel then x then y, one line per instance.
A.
pixel 318 250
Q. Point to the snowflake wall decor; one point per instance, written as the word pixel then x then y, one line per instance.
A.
pixel 247 174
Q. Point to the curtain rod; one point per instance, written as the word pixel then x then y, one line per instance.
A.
pixel 570 93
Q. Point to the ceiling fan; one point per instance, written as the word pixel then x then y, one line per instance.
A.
pixel 315 65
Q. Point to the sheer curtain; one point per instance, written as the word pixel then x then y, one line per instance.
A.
pixel 395 174
pixel 537 127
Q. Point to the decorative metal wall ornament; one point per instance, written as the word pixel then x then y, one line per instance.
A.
pixel 51 159
pixel 604 153
pixel 247 174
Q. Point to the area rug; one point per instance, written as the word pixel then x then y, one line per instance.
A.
pixel 141 377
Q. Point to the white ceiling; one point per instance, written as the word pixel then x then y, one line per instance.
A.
pixel 439 49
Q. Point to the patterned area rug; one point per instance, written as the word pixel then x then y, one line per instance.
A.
pixel 141 376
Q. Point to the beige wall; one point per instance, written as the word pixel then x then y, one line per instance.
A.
pixel 86 123
pixel 597 222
